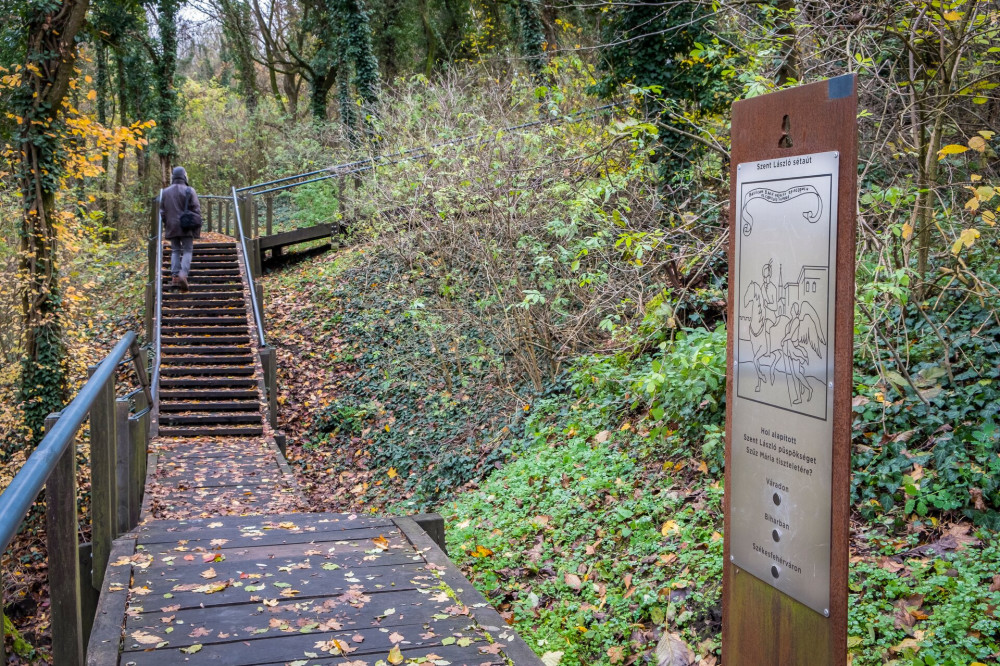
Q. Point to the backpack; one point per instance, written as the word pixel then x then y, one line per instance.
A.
pixel 189 221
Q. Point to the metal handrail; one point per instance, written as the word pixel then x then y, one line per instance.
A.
pixel 258 319
pixel 159 301
pixel 17 499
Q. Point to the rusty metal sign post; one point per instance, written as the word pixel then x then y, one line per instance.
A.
pixel 788 389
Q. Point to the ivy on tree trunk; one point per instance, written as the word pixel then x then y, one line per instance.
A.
pixel 38 101
pixel 163 76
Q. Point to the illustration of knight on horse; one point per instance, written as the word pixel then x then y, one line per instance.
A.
pixel 799 331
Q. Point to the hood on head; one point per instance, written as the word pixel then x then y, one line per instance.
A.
pixel 179 175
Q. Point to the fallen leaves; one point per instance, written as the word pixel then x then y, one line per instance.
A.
pixel 673 651
pixel 144 638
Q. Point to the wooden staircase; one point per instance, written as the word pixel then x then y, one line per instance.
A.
pixel 208 380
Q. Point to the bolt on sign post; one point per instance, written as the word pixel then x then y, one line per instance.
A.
pixel 788 388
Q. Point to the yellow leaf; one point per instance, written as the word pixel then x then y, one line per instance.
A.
pixel 985 192
pixel 972 204
pixel 669 527
pixel 952 149
pixel 966 239
pixel 986 134
pixel 975 178
pixel 381 542
pixel 395 656
pixel 989 217
pixel 392 473
pixel 977 143
pixel 907 231
pixel 952 16
pixel 92 95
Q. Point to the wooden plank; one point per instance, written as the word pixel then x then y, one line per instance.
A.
pixel 374 641
pixel 341 552
pixel 452 654
pixel 247 621
pixel 481 610
pixel 106 636
pixel 295 236
pixel 227 501
pixel 257 532
pixel 64 563
pixel 760 624
pixel 311 583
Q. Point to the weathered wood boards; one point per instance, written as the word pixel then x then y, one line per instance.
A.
pixel 283 588
pixel 791 304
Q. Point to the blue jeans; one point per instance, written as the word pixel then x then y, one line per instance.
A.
pixel 181 250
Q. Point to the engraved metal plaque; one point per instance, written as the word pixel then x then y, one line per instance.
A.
pixel 782 364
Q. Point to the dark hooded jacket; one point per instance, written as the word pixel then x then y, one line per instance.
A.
pixel 172 205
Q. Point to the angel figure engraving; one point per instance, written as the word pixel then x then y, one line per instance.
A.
pixel 802 333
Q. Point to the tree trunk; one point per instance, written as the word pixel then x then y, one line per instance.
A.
pixel 51 55
pixel 102 118
pixel 166 67
pixel 789 68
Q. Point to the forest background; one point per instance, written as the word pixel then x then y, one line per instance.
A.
pixel 525 329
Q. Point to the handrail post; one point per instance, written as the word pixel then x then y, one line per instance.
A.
pixel 269 220
pixel 103 445
pixel 138 429
pixel 256 216
pixel 257 309
pixel 267 362
pixel 123 464
pixel 208 217
pixel 61 529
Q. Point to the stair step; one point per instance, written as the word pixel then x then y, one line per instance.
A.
pixel 198 311
pixel 209 431
pixel 206 281
pixel 209 419
pixel 186 319
pixel 207 394
pixel 213 272
pixel 214 245
pixel 187 350
pixel 208 360
pixel 209 260
pixel 202 340
pixel 209 406
pixel 207 370
pixel 207 257
pixel 204 301
pixel 203 290
pixel 209 382
pixel 170 329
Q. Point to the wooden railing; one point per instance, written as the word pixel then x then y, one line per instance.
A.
pixel 119 431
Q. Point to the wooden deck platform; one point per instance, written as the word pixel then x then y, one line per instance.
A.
pixel 224 568
pixel 302 588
